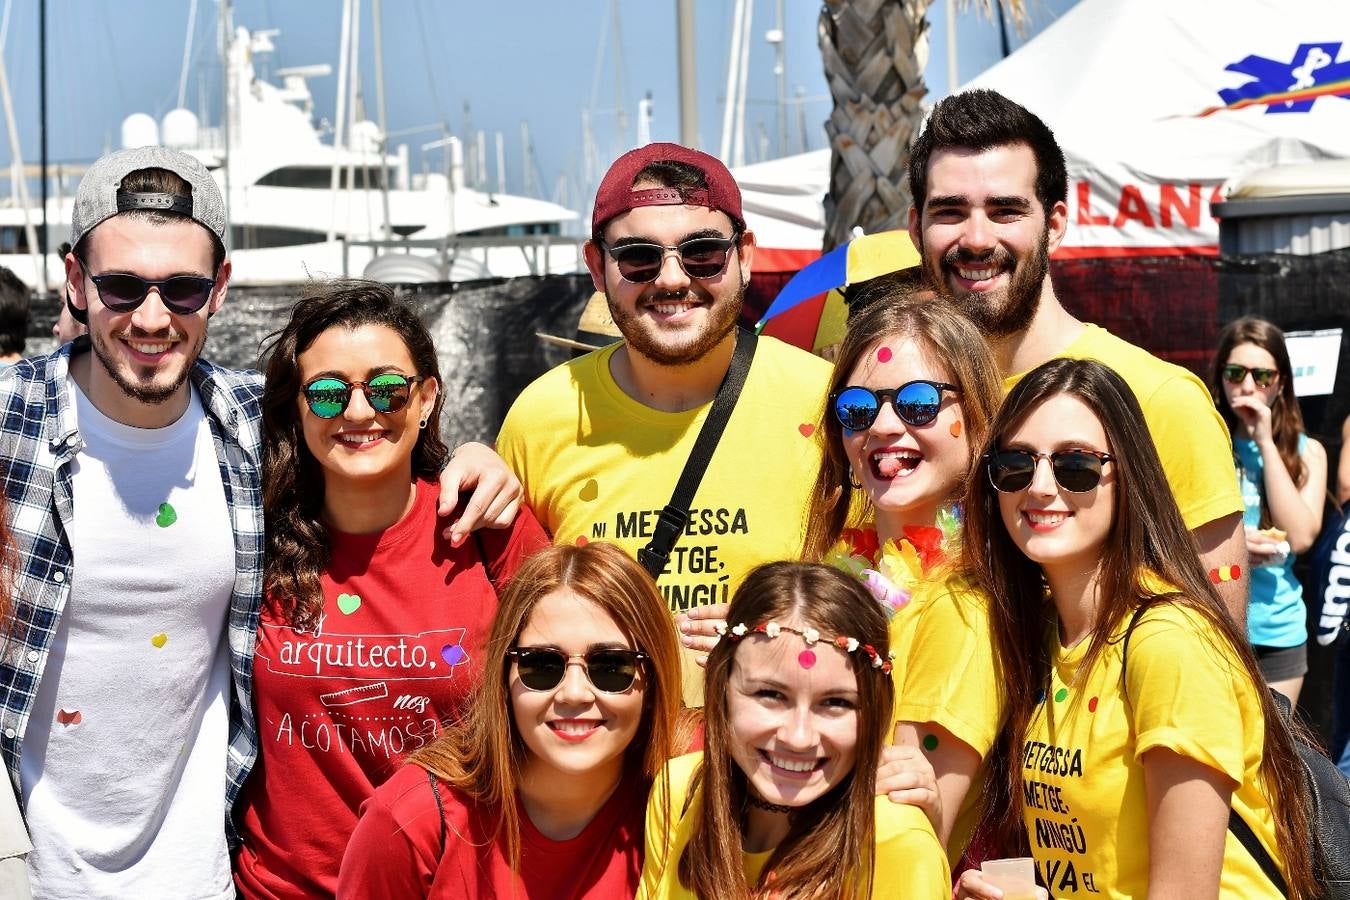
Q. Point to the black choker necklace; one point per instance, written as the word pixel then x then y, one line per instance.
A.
pixel 767 806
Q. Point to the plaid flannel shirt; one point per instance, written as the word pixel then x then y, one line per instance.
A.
pixel 38 441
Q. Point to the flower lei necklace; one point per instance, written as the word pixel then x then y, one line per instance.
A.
pixel 892 572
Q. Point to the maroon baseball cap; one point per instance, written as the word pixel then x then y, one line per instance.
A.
pixel 616 195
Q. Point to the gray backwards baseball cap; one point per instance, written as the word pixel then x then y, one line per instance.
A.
pixel 99 196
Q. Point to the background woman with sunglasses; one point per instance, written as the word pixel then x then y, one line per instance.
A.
pixel 373 627
pixel 913 390
pixel 1136 716
pixel 781 801
pixel 541 792
pixel 1283 476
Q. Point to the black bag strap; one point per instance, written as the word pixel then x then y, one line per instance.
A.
pixel 675 516
pixel 440 810
pixel 1236 824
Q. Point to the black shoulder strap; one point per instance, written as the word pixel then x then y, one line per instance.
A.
pixel 440 809
pixel 1236 824
pixel 676 513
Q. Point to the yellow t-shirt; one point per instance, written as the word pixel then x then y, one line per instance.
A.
pixel 1191 437
pixel 1083 797
pixel 598 465
pixel 909 860
pixel 945 673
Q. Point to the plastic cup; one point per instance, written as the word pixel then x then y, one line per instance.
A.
pixel 1015 877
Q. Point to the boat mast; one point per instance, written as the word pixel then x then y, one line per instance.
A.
pixel 377 12
pixel 22 183
pixel 227 113
pixel 344 57
pixel 42 138
pixel 688 84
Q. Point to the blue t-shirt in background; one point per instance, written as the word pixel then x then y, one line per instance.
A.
pixel 1276 616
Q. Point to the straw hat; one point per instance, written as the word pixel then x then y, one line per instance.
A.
pixel 595 328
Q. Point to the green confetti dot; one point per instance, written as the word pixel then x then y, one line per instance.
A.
pixel 930 742
pixel 1061 694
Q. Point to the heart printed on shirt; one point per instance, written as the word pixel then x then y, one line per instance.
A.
pixel 349 603
pixel 167 515
pixel 454 655
pixel 159 640
pixel 590 490
pixel 68 717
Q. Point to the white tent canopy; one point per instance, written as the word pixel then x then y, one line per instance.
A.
pixel 1132 88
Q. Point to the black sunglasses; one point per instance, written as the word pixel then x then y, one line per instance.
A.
pixel 915 402
pixel 701 257
pixel 612 670
pixel 122 292
pixel 1235 374
pixel 388 393
pixel 1077 471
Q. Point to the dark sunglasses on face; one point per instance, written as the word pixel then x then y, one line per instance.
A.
pixel 388 393
pixel 611 670
pixel 701 257
pixel 1235 374
pixel 1077 471
pixel 915 402
pixel 122 292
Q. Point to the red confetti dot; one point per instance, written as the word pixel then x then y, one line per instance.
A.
pixel 884 355
pixel 581 540
pixel 1092 705
pixel 806 659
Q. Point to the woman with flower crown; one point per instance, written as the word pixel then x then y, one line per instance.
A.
pixel 781 801
pixel 913 391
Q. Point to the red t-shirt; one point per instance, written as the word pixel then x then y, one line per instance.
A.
pixel 395 852
pixel 398 649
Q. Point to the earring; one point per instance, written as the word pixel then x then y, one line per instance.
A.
pixel 853 479
pixel 422 424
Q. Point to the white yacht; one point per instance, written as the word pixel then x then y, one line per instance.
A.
pixel 286 221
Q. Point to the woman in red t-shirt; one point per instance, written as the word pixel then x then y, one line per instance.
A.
pixel 541 792
pixel 373 626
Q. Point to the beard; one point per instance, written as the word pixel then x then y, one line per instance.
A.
pixel 142 391
pixel 679 349
pixel 997 313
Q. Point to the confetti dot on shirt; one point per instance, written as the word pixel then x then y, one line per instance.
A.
pixel 453 654
pixel 1061 694
pixel 167 515
pixel 884 355
pixel 930 742
pixel 590 490
pixel 68 717
pixel 807 429
pixel 581 540
pixel 1092 705
pixel 159 640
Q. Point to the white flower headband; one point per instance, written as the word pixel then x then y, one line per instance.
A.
pixel 807 658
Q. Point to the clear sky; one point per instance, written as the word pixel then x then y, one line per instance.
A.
pixel 541 61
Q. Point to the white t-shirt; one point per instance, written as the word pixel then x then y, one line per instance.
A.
pixel 123 761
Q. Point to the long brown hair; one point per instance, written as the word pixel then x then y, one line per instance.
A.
pixel 483 755
pixel 828 849
pixel 950 340
pixel 1286 419
pixel 297 542
pixel 1148 541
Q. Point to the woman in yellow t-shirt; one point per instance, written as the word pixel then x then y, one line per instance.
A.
pixel 913 391
pixel 781 802
pixel 1136 716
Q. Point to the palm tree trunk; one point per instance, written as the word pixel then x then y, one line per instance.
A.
pixel 874 53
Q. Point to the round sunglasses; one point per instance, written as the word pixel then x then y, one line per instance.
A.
pixel 328 396
pixel 122 292
pixel 1076 471
pixel 915 402
pixel 1235 374
pixel 611 670
pixel 701 257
